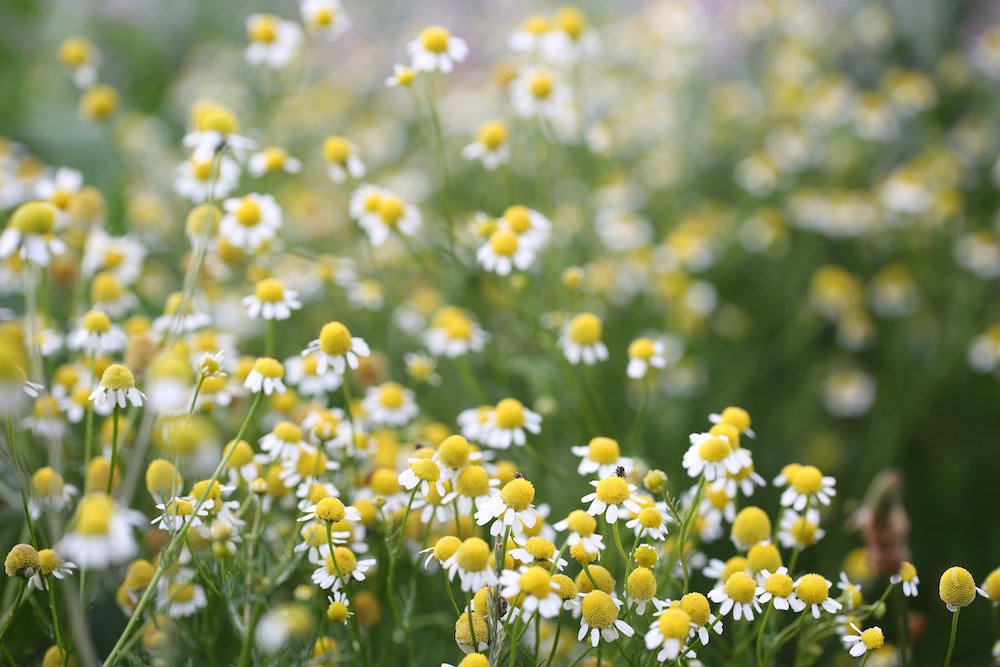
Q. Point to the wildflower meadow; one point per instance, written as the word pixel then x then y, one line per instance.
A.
pixel 500 333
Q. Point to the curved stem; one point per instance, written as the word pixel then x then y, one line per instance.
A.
pixel 760 633
pixel 114 447
pixel 951 642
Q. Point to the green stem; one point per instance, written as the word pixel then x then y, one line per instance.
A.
pixel 760 633
pixel 88 435
pixel 355 628
pixel 692 512
pixel 865 659
pixel 269 340
pixel 951 642
pixel 114 446
pixel 194 399
pixel 63 650
pixel 22 582
pixel 555 641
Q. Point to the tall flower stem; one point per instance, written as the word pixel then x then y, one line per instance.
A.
pixel 954 632
pixel 88 434
pixel 355 628
pixel 63 651
pixel 114 447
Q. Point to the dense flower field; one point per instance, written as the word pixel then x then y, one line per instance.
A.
pixel 496 334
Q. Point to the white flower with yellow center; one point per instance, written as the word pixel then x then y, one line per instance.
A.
pixel 177 511
pixel 340 567
pixel 472 487
pixel 571 38
pixel 302 372
pixel 271 300
pixel 532 228
pixel 471 422
pixel 436 49
pixel 102 533
pixel 337 349
pixel 271 160
pixel 907 576
pixel 491 146
pixel 266 376
pixel 532 587
pixel 30 232
pixel 794 530
pixel 401 76
pixel 421 367
pixel 303 468
pixel 871 639
pixel 536 549
pixel 581 340
pixel 172 318
pixel 582 527
pixel 507 422
pixel 643 353
pixel 538 92
pixel 97 335
pixel 512 506
pixel 273 41
pixel 180 596
pixel 215 130
pixel 780 588
pixel 713 456
pixel 739 594
pixel 390 404
pixel 453 333
pixel 814 591
pixel 284 441
pixel 668 633
pixel 367 294
pixel 611 495
pixel 117 387
pixel 848 393
pixel 423 473
pixel 325 18
pixel 599 618
pixel 121 255
pixel 51 566
pixel 471 561
pixel 331 510
pixel 59 189
pixel 337 612
pixel 603 456
pixel 81 56
pixel 809 486
pixel 342 159
pixel 531 35
pixel 650 521
pixel 391 212
pixel 49 492
pixel 503 251
pixel 194 179
pixel 250 221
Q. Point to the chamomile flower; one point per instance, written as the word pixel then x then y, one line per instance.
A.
pixel 442 550
pixel 302 372
pixel 643 353
pixel 668 633
pixel 304 466
pixel 536 549
pixel 852 592
pixel 958 589
pixel 177 511
pixel 266 376
pixel 472 487
pixel 538 92
pixel 512 506
pixel 270 160
pixel 506 424
pixel 871 639
pixel 603 456
pixel 780 588
pixel 570 38
pixel 503 252
pixel 102 533
pixel 342 159
pixel 491 147
pixel 423 473
pixel 713 456
pixel 453 333
pixel 81 56
pixel 241 465
pixel 250 221
pixel 436 49
pixel 421 367
pixel 401 76
pixel 59 189
pixel 331 510
pixel 342 563
pixel 273 41
pixel 907 576
pixel 533 589
pixel 814 591
pixel 97 335
pixel 532 228
pixel 746 480
pixel 612 494
pixel 337 349
pixel 117 386
pixel 797 530
pixel 581 526
pixel 215 130
pixel 471 562
pixel 391 213
pixel 736 417
pixel 284 441
pixel 531 35
pixel 650 521
pixel 180 596
pixel 599 618
pixel 271 300
pixel 30 233
pixel 581 340
pixel 49 492
pixel 194 179
pixel 739 594
pixel 325 18
pixel 51 566
pixel 338 612
pixel 808 486
pixel 389 404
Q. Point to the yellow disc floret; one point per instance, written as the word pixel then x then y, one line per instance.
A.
pixel 335 339
pixel 812 589
pixel 330 509
pixel 599 610
pixel 585 329
pixel 518 494
pixel 641 584
pixel 603 450
pixel 613 490
pixel 22 561
pixel 740 587
pixel 957 588
pixel 808 480
pixel 435 38
pixel 674 624
pixel 751 526
pixel 473 555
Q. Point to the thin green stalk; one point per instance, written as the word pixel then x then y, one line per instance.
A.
pixel 865 659
pixel 64 650
pixel 269 340
pixel 555 641
pixel 114 447
pixel 88 435
pixel 760 633
pixel 194 399
pixel 355 628
pixel 954 632
pixel 682 538
pixel 618 543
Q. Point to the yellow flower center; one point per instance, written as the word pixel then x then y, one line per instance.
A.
pixel 445 547
pixel 330 509
pixel 646 556
pixel 733 565
pixel 763 557
pixel 221 120
pixel 75 51
pixel 641 584
pixel 315 535
pixel 46 482
pixel 812 589
pixel 202 171
pixel 603 450
pixel 906 571
pixel 270 290
pixel 674 624
pixel 106 288
pixel 581 523
pixel 492 134
pixel 518 494
pixel 435 39
pixel 263 28
pixel 345 561
pixel 567 589
pixel 94 515
pixel 391 395
pixel 510 413
pixel 779 585
pixel 651 517
pixel 540 548
pixel 182 592
pixel 612 490
pixel 599 610
pixel 571 21
pixel 426 470
pixel 248 214
pixel 807 533
pixel 20 558
pixel 738 417
pixel 541 84
pixel 454 451
pixel 473 482
pixel 808 480
pixel 117 377
pixel 268 367
pixel 179 507
pixel 751 526
pixel 34 217
pixel 740 587
pixel 60 198
pixel 463 635
pixel 873 638
pixel 391 209
pixel 957 587
pixel 335 339
pixel 49 560
pixel 274 158
pixel 714 449
pixel 310 463
pixel 287 431
pixel 585 329
pixel 695 605
pixel 518 217
pixel 536 25
pixel 336 149
pixel 641 348
pixel 337 612
pixel 537 582
pixel 503 242
pixel 458 327
pixel 473 555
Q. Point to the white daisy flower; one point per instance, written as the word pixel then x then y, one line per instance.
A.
pixel 794 531
pixel 643 353
pixel 779 588
pixel 390 404
pixel 611 495
pixel 401 76
pixel 336 349
pixel 266 376
pixel 599 618
pixel 907 576
pixel 273 42
pixel 532 228
pixel 344 562
pixel 506 424
pixel 814 591
pixel 512 506
pixel 739 594
pixel 436 49
pixel 809 486
pixel 194 179
pixel 453 333
pixel 49 492
pixel 59 189
pixel 603 456
pixel 713 456
pixel 271 300
pixel 534 589
pixel 270 160
pixel 325 18
pixel 284 442
pixel 216 130
pixel 581 526
pixel 302 373
pixel 581 340
pixel 102 534
pixel 83 58
pixel 539 92
pixel 471 561
pixel 390 213
pixel 871 639
pixel 250 220
pixel 180 595
pixel 491 146
pixel 95 334
pixel 531 35
pixel 51 566
pixel 304 467
pixel 342 159
pixel 473 487
pixel 117 387
pixel 338 612
pixel 29 232
pixel 502 252
pixel 651 521
pixel 471 422
pixel 178 510
pixel 423 473
pixel 121 255
pixel 669 633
